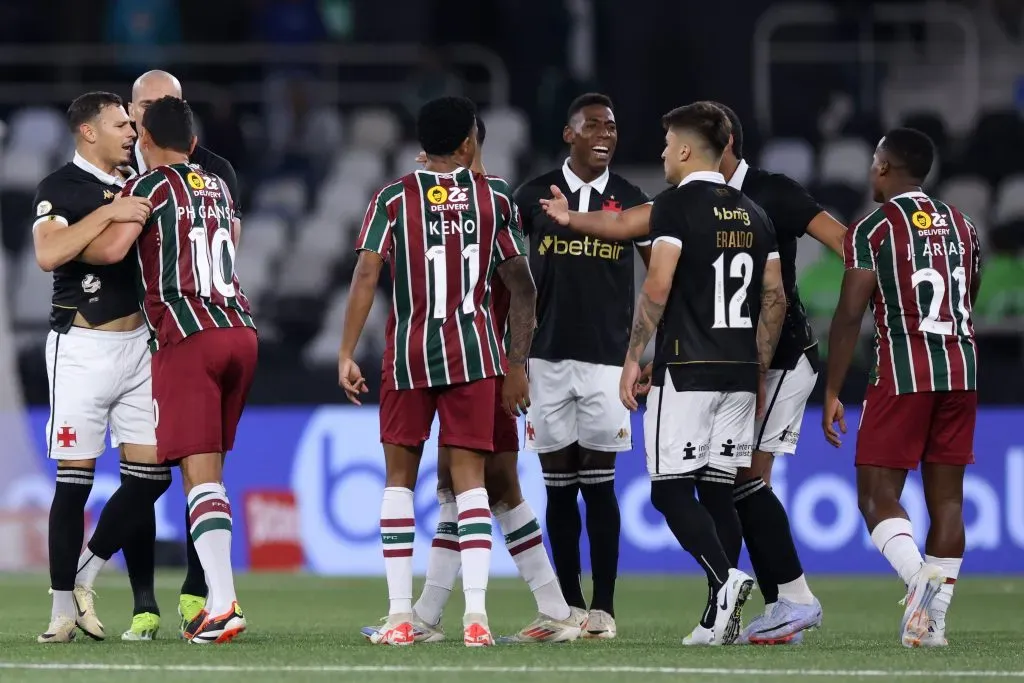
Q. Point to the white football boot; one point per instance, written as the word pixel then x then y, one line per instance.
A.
pixel 729 606
pixel 599 624
pixel 922 590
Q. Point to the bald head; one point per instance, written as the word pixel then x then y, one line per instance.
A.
pixel 150 87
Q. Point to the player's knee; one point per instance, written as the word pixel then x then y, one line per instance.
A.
pixel 596 460
pixel 563 460
pixel 875 506
pixel 667 493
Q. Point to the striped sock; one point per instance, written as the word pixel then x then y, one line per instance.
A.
pixel 894 538
pixel 525 544
pixel 475 547
pixel 443 563
pixel 397 531
pixel 210 527
pixel 951 570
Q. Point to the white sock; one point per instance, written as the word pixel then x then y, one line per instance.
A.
pixel 63 605
pixel 526 546
pixel 397 532
pixel 210 525
pixel 951 570
pixel 474 547
pixel 443 563
pixel 89 566
pixel 797 591
pixel 894 538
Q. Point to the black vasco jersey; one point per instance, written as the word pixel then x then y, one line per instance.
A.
pixel 209 162
pixel 790 209
pixel 99 293
pixel 707 340
pixel 584 285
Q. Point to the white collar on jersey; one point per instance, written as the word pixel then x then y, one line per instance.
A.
pixel 575 183
pixel 913 194
pixel 450 174
pixel 708 176
pixel 138 157
pixel 100 174
pixel 739 175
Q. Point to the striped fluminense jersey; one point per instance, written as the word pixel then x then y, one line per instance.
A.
pixel 186 255
pixel 925 255
pixel 444 236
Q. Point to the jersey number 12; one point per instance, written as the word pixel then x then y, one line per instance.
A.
pixel 741 267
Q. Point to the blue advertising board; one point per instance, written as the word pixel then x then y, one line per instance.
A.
pixel 330 458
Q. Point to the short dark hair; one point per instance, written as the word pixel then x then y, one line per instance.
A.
pixel 585 100
pixel 481 130
pixel 911 148
pixel 737 129
pixel 170 123
pixel 443 123
pixel 703 118
pixel 88 106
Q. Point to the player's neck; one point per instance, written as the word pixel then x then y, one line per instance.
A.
pixel 444 164
pixel 166 158
pixel 901 189
pixel 728 166
pixel 101 164
pixel 584 172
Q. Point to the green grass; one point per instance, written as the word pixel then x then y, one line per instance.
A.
pixel 305 628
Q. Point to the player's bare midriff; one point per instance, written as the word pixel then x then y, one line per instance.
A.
pixel 128 323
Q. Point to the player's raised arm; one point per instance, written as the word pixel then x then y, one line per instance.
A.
pixel 773 311
pixel 827 230
pixel 626 225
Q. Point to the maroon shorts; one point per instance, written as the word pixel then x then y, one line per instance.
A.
pixel 466 412
pixel 199 389
pixel 506 429
pixel 900 431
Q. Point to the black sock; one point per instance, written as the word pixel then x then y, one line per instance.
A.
pixel 715 495
pixel 564 527
pixel 195 577
pixel 692 526
pixel 769 539
pixel 707 618
pixel 138 546
pixel 603 526
pixel 67 524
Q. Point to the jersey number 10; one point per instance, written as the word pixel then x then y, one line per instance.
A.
pixel 741 267
pixel 208 257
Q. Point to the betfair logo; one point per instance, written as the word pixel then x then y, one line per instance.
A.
pixel 587 246
pixel 732 215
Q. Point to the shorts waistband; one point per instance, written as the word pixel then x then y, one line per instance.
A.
pixel 108 335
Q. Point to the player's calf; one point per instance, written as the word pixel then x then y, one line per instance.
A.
pixel 66 532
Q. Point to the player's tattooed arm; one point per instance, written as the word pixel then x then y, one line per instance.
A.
pixel 773 311
pixel 522 314
pixel 650 306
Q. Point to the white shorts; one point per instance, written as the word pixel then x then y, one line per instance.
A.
pixel 98 378
pixel 685 431
pixel 786 392
pixel 572 401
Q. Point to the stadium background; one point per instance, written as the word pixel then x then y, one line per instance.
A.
pixel 312 102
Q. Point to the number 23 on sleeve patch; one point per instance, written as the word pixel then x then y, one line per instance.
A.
pixel 44 207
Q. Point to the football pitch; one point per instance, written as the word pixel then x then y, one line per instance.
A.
pixel 304 628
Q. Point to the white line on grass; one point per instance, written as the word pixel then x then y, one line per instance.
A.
pixel 342 669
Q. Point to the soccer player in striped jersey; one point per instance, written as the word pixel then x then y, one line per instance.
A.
pixel 556 621
pixel 916 261
pixel 202 337
pixel 446 233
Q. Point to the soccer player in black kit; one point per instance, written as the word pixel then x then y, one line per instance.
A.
pixel 790 607
pixel 714 294
pixel 584 306
pixel 98 365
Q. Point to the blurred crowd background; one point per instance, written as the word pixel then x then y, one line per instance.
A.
pixel 312 101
